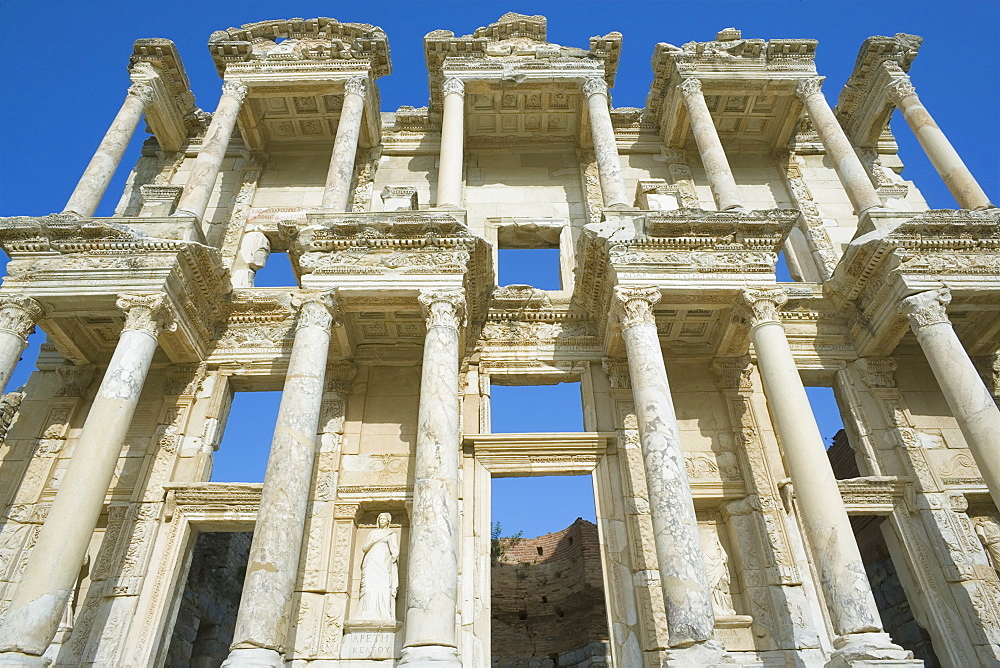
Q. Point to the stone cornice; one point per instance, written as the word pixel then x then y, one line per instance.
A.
pixel 499 49
pixel 172 115
pixel 790 59
pixel 316 41
pixel 864 106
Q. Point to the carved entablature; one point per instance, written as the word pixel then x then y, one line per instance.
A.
pixel 301 45
pixel 257 320
pixel 748 84
pixel 865 106
pixel 515 45
pixel 70 264
pixel 913 253
pixel 172 114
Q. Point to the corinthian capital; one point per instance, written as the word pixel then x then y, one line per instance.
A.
pixel 317 309
pixel 690 86
pixel 235 89
pixel 927 308
pixel 18 315
pixel 760 306
pixel 634 305
pixel 443 308
pixel 900 89
pixel 810 86
pixel 595 86
pixel 147 313
pixel 143 91
pixel 453 85
pixel 356 86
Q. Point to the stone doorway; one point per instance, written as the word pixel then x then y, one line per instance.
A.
pixel 206 614
pixel 547 595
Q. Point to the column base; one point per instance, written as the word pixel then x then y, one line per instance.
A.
pixel 701 654
pixel 860 650
pixel 430 656
pixel 254 658
pixel 18 660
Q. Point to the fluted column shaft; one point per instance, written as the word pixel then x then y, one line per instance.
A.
pixel 18 316
pixel 96 177
pixel 432 573
pixel 713 157
pixel 40 599
pixel 205 171
pixel 265 604
pixel 970 401
pixel 824 518
pixel 686 594
pixel 609 165
pixel 450 163
pixel 850 171
pixel 942 154
pixel 337 193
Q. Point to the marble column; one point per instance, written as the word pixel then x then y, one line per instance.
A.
pixel 52 569
pixel 96 177
pixel 265 604
pixel 686 594
pixel 18 316
pixel 609 165
pixel 942 154
pixel 850 171
pixel 205 171
pixel 432 573
pixel 337 193
pixel 713 157
pixel 821 509
pixel 450 163
pixel 968 397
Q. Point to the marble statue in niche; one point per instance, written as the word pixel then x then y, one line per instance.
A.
pixel 717 571
pixel 988 530
pixel 379 572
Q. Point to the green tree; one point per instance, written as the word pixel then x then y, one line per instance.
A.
pixel 500 545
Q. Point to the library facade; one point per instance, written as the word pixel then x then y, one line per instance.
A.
pixel 727 532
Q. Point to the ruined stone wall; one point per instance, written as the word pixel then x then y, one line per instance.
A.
pixel 548 601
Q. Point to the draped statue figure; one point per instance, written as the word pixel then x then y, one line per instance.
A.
pixel 379 573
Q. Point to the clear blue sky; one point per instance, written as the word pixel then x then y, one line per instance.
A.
pixel 64 77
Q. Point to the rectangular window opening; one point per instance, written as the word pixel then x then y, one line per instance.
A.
pixel 537 267
pixel 206 618
pixel 827 413
pixel 246 442
pixel 547 590
pixel 277 272
pixel 782 271
pixel 536 408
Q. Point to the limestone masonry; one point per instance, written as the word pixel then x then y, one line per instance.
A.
pixel 724 535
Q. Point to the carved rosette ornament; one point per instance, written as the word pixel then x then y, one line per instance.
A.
pixel 356 86
pixel 927 308
pixel 235 89
pixel 18 315
pixel 900 89
pixel 142 91
pixel 147 313
pixel 595 86
pixel 453 85
pixel 635 305
pixel 690 86
pixel 761 306
pixel 315 310
pixel 443 308
pixel 808 87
